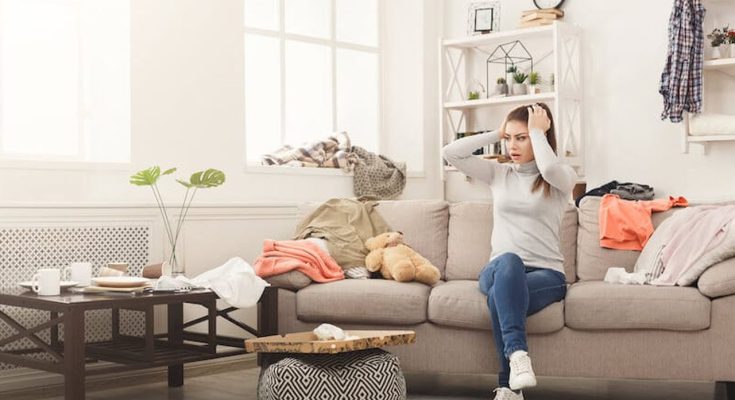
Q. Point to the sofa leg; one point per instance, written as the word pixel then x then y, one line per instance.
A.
pixel 724 390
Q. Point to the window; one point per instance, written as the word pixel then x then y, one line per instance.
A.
pixel 65 80
pixel 312 67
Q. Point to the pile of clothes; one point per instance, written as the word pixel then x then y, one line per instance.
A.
pixel 626 191
pixel 329 244
pixel 374 175
pixel 675 253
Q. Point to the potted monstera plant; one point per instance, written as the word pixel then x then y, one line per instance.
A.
pixel 199 180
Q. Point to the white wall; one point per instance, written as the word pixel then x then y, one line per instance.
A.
pixel 188 111
pixel 624 51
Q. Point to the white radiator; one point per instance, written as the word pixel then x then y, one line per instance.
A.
pixel 25 249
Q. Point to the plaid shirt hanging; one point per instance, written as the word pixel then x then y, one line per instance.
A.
pixel 681 80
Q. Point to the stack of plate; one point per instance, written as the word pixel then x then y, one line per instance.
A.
pixel 118 284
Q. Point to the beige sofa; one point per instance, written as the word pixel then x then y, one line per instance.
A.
pixel 600 330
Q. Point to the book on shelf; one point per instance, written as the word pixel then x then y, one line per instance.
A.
pixel 535 16
pixel 544 11
pixel 537 22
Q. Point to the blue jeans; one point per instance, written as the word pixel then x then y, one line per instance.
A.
pixel 515 291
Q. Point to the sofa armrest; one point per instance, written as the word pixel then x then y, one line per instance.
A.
pixel 292 280
pixel 718 280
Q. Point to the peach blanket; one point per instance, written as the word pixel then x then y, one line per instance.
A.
pixel 301 255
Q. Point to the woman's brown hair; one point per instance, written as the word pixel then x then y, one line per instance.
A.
pixel 520 114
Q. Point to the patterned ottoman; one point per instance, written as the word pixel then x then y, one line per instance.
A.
pixel 372 374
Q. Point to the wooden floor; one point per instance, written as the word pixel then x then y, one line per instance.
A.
pixel 242 384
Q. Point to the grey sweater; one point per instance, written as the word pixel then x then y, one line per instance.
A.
pixel 524 223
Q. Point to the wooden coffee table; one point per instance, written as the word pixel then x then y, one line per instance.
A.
pixel 126 352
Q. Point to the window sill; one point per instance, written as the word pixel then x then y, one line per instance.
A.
pixel 283 170
pixel 65 165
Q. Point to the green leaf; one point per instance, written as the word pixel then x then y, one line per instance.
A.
pixel 207 179
pixel 169 171
pixel 184 183
pixel 146 177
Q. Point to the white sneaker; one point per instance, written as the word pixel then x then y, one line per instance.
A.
pixel 503 393
pixel 521 373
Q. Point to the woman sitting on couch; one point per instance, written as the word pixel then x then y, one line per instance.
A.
pixel 525 272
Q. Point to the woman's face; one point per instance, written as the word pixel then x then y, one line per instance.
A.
pixel 518 142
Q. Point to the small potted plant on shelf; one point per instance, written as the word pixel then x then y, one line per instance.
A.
pixel 518 87
pixel 501 87
pixel 534 79
pixel 475 90
pixel 731 40
pixel 717 38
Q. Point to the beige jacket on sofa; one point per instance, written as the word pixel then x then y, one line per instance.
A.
pixel 599 330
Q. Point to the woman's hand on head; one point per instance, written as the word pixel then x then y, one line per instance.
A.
pixel 537 119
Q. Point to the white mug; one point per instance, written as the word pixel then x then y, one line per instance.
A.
pixel 47 282
pixel 80 272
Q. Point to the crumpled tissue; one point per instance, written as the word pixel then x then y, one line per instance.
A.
pixel 620 275
pixel 329 332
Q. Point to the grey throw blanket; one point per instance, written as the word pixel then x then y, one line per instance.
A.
pixel 332 152
pixel 377 176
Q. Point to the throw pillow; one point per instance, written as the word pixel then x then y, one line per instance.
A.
pixel 718 280
pixel 292 280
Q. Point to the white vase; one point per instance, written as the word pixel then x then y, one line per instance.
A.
pixel 732 50
pixel 172 269
pixel 533 89
pixel 716 53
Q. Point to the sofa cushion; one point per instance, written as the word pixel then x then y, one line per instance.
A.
pixel 470 232
pixel 719 279
pixel 461 304
pixel 568 242
pixel 366 301
pixel 424 226
pixel 468 246
pixel 602 305
pixel 593 260
pixel 423 223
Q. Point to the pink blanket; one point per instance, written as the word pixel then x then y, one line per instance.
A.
pixel 301 255
pixel 702 230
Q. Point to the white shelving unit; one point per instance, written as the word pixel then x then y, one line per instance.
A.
pixel 724 66
pixel 565 100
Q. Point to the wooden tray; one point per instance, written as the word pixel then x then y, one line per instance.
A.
pixel 307 342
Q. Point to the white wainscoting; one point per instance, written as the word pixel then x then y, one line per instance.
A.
pixel 212 235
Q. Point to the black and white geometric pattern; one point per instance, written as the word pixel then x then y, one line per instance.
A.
pixel 24 250
pixel 371 374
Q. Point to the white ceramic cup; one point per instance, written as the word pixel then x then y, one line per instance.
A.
pixel 80 272
pixel 47 282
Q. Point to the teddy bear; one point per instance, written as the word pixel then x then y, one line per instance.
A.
pixel 395 260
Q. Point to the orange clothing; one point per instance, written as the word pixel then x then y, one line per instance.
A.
pixel 302 255
pixel 626 224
